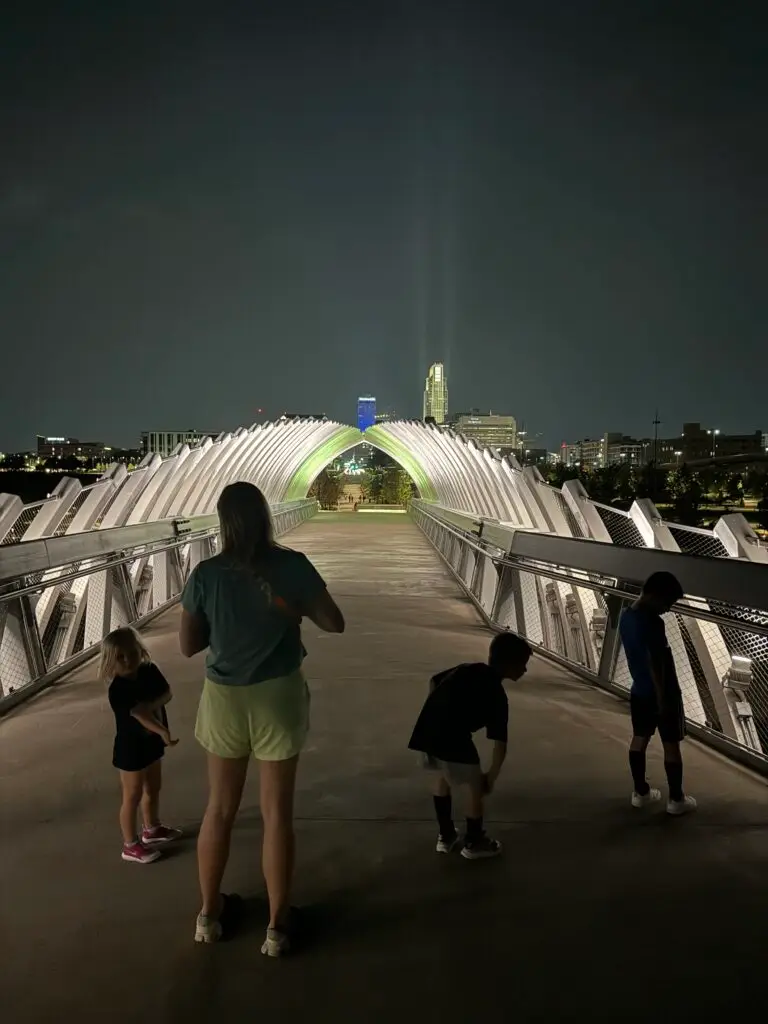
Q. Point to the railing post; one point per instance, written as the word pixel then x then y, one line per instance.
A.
pixel 610 644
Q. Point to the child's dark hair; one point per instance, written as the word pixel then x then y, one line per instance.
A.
pixel 663 585
pixel 508 649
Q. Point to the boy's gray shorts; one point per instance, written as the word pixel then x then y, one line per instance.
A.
pixel 454 773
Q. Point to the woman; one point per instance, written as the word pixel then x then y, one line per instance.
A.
pixel 245 605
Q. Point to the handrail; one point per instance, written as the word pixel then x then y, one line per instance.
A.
pixel 729 580
pixel 29 557
pixel 721 655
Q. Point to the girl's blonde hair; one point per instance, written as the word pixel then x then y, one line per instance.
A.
pixel 122 648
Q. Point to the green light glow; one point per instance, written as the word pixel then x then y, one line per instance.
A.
pixel 379 438
pixel 349 437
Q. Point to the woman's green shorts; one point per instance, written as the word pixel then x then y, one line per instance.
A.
pixel 269 719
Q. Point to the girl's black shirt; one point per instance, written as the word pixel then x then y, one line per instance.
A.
pixel 136 747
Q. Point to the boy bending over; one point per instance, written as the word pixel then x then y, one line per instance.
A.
pixel 461 701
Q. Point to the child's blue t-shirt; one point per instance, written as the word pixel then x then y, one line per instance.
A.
pixel 645 643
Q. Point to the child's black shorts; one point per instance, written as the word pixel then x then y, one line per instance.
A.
pixel 646 718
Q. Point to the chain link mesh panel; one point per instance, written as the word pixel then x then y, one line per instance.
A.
pixel 620 527
pixel 15 668
pixel 77 504
pixel 711 716
pixel 697 542
pixel 743 644
pixel 23 521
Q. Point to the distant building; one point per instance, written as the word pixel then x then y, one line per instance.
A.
pixel 386 417
pixel 697 443
pixel 163 442
pixel 620 450
pixel 586 454
pixel 68 448
pixel 304 416
pixel 436 394
pixel 489 430
pixel 366 412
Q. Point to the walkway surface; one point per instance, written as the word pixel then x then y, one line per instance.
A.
pixel 594 912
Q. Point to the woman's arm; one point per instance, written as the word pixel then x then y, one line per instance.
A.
pixel 193 633
pixel 325 613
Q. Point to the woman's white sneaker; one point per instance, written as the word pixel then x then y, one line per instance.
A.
pixel 276 943
pixel 653 796
pixel 684 806
pixel 207 929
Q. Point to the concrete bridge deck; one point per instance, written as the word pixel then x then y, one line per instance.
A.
pixel 593 912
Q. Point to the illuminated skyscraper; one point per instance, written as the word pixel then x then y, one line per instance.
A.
pixel 436 394
pixel 366 412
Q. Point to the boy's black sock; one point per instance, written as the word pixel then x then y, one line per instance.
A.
pixel 637 767
pixel 474 829
pixel 674 770
pixel 444 813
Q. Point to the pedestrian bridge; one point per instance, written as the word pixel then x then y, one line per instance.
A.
pixel 551 564
pixel 567 922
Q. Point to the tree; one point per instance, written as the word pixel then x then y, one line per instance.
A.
pixel 602 484
pixel 736 489
pixel 557 473
pixel 397 488
pixel 371 485
pixel 328 489
pixel 755 482
pixel 686 493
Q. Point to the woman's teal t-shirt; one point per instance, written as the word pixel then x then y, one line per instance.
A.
pixel 252 634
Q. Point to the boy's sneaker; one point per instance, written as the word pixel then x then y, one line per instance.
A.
pixel 276 943
pixel 160 834
pixel 481 848
pixel 678 807
pixel 447 845
pixel 644 799
pixel 137 853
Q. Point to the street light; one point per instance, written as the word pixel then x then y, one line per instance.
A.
pixel 677 456
pixel 714 434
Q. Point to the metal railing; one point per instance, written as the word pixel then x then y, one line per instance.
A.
pixel 565 596
pixel 60 595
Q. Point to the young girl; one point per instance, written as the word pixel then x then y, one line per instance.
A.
pixel 138 693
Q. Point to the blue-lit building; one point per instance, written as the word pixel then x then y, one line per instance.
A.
pixel 366 411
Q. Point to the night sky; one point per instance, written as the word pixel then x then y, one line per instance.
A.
pixel 209 209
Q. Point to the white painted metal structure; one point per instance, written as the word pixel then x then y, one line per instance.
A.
pixel 87 559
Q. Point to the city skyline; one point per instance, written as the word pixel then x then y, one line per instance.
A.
pixel 543 204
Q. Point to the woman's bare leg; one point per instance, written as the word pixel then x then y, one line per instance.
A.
pixel 278 784
pixel 226 778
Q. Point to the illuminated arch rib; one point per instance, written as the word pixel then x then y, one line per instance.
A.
pixel 283 458
pixel 456 473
